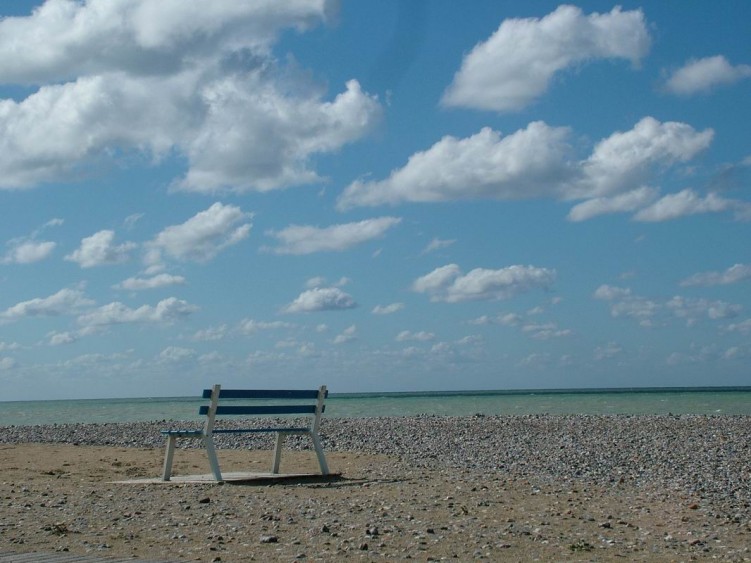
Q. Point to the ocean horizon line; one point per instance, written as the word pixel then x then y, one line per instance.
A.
pixel 452 393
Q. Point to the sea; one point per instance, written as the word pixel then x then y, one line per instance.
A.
pixel 634 401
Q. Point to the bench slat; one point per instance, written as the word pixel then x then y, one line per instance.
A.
pixel 265 393
pixel 257 430
pixel 260 409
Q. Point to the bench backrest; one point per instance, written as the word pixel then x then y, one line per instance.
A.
pixel 311 403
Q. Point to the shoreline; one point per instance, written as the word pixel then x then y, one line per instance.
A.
pixel 569 487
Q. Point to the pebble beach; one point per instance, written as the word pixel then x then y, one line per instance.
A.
pixel 537 487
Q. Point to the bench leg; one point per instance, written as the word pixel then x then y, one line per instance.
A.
pixel 213 461
pixel 168 455
pixel 319 452
pixel 278 452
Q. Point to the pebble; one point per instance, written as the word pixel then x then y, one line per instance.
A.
pixel 702 456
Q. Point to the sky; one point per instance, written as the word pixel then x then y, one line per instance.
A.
pixel 375 196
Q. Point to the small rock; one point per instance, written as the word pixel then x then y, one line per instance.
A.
pixel 269 539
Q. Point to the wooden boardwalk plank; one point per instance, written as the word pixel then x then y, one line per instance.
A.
pixel 6 557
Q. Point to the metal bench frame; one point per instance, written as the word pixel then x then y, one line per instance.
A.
pixel 214 409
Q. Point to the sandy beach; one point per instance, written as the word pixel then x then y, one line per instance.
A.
pixel 580 488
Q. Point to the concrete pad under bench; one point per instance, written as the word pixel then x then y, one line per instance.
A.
pixel 236 477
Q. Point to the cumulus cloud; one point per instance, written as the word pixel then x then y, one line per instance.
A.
pixel 704 75
pixel 302 239
pixel 166 311
pixel 154 282
pixel 64 302
pixel 204 235
pixel 389 309
pixel 321 299
pixel 420 336
pixel 688 202
pixel 517 63
pixel 7 363
pixel 157 77
pixel 251 326
pixel 545 331
pixel 176 354
pixel 27 251
pixel 349 334
pixel 438 244
pixel 629 201
pixel 449 284
pixel 734 274
pixel 693 309
pixel 210 334
pixel 526 164
pixel 624 303
pixel 98 250
pixel 626 159
pixel 538 162
pixel 62 338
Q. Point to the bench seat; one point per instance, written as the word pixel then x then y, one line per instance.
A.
pixel 312 411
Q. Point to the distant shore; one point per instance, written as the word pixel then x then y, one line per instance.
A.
pixel 642 487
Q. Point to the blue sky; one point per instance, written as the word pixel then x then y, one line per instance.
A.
pixel 378 196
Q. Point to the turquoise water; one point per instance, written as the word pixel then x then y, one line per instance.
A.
pixel 716 401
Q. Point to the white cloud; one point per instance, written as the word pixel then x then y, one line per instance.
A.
pixel 623 303
pixel 704 75
pixel 28 251
pixel 251 326
pixel 450 285
pixel 204 235
pixel 140 36
pixel 156 77
pixel 166 311
pixel 9 346
pixel 626 160
pixel 684 203
pixel 438 244
pixel 7 363
pixel 98 250
pixel 693 309
pixel 545 331
pixel 349 334
pixel 302 239
pixel 528 163
pixel 517 63
pixel 176 354
pixel 321 299
pixel 611 293
pixel 607 352
pixel 389 309
pixel 64 302
pixel 160 280
pixel 210 334
pixel 409 336
pixel 744 327
pixel 734 274
pixel 257 139
pixel 538 162
pixel 61 338
pixel 622 203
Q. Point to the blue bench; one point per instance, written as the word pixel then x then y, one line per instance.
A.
pixel 308 404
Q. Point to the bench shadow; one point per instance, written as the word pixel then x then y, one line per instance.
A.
pixel 334 481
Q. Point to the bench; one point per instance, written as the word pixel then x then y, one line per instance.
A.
pixel 308 404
